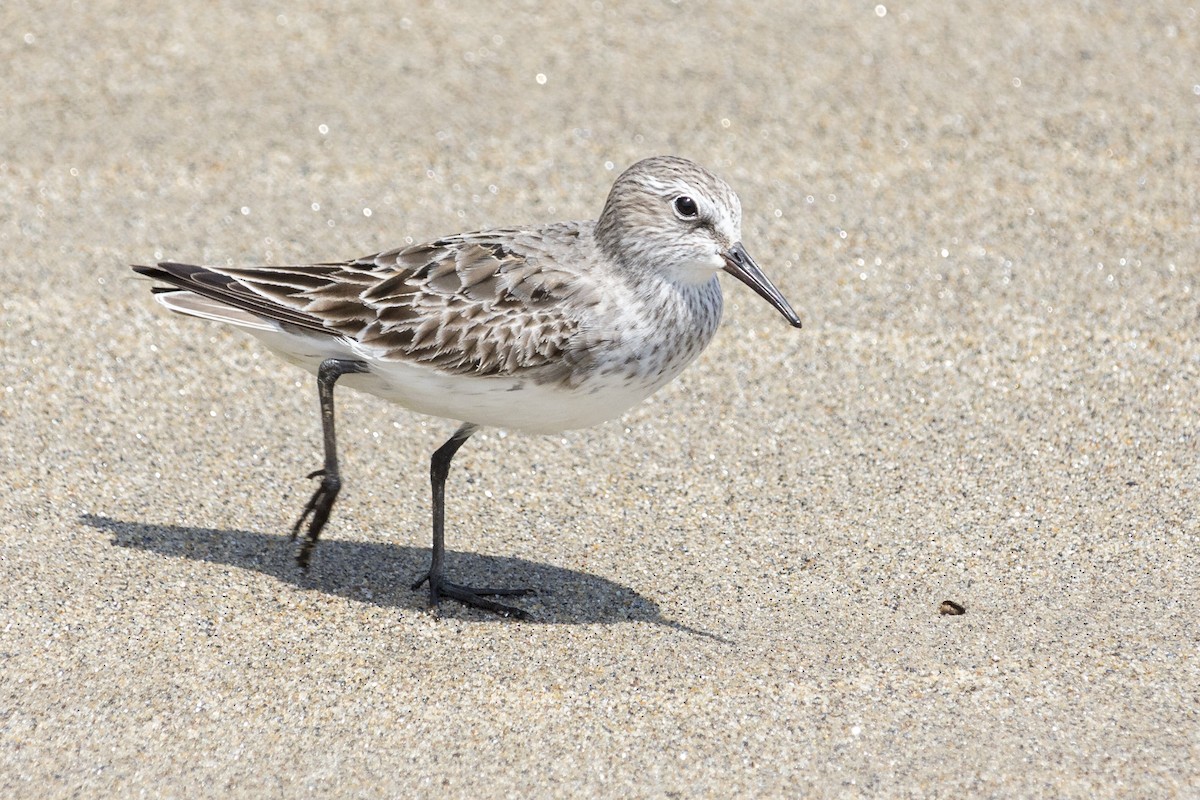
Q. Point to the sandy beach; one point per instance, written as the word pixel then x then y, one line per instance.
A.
pixel 988 217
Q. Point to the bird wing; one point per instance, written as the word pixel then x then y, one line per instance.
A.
pixel 488 303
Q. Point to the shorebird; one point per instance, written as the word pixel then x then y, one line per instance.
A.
pixel 541 328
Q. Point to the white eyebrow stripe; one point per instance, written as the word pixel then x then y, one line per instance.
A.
pixel 671 186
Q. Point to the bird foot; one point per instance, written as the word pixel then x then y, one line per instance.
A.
pixel 316 513
pixel 475 597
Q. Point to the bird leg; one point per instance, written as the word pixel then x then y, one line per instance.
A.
pixel 316 511
pixel 439 587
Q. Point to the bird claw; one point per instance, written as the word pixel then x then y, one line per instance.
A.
pixel 316 512
pixel 475 597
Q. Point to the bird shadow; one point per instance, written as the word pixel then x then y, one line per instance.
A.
pixel 382 574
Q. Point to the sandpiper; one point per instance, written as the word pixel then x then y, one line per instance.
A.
pixel 541 328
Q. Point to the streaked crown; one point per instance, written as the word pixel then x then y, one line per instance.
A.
pixel 671 214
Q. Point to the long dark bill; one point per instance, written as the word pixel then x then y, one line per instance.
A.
pixel 740 265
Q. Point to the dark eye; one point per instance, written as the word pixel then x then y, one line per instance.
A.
pixel 686 207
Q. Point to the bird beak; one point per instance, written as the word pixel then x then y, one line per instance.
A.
pixel 740 265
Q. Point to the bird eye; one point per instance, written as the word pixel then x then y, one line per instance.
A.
pixel 686 208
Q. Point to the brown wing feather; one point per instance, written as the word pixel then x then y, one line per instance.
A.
pixel 490 303
pixel 222 285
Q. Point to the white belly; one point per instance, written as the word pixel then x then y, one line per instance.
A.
pixel 501 402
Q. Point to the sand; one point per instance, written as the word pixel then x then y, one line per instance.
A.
pixel 987 217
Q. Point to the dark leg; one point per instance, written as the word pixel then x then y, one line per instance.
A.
pixel 439 587
pixel 321 503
